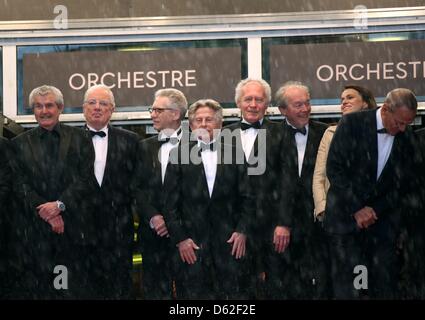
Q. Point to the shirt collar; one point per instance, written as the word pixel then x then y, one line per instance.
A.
pixel 55 129
pixel 379 123
pixel 104 129
pixel 260 121
pixel 176 134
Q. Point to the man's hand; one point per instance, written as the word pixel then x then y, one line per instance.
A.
pixel 365 217
pixel 159 225
pixel 57 224
pixel 281 238
pixel 48 210
pixel 239 244
pixel 187 250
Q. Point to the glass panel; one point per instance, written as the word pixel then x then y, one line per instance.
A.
pixel 134 71
pixel 378 61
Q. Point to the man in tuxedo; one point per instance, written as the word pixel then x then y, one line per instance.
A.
pixel 5 194
pixel 53 223
pixel 369 163
pixel 209 211
pixel 114 169
pixel 167 112
pixel 259 140
pixel 296 257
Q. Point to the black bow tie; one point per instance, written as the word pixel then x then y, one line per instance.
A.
pixel 246 126
pixel 383 130
pixel 210 146
pixel 101 134
pixel 302 130
pixel 173 140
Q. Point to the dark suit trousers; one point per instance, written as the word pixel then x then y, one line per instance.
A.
pixel 375 249
pixel 215 275
pixel 157 266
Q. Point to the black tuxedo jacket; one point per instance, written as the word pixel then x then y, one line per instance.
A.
pixel 116 194
pixel 352 171
pixel 264 185
pixel 296 206
pixel 74 169
pixel 190 211
pixel 150 181
pixel 5 194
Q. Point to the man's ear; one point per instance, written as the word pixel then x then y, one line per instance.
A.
pixel 60 107
pixel 385 108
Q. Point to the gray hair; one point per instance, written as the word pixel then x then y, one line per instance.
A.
pixel 401 97
pixel 101 86
pixel 177 99
pixel 44 90
pixel 210 103
pixel 281 98
pixel 266 88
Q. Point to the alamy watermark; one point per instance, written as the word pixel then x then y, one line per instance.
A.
pixel 61 280
pixel 360 19
pixel 61 20
pixel 228 151
pixel 361 280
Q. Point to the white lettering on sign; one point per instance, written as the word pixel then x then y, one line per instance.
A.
pixel 371 71
pixel 135 79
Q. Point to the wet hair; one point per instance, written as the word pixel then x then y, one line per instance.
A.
pixel 210 103
pixel 241 85
pixel 366 94
pixel 101 86
pixel 177 99
pixel 44 90
pixel 280 96
pixel 401 97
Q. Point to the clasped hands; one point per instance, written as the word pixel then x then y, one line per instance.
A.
pixel 50 213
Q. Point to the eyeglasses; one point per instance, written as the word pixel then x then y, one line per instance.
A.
pixel 102 103
pixel 158 110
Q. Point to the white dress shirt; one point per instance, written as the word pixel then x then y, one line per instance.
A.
pixel 209 160
pixel 101 150
pixel 166 148
pixel 301 141
pixel 385 144
pixel 248 137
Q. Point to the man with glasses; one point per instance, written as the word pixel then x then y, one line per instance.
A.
pixel 297 272
pixel 167 113
pixel 53 223
pixel 368 167
pixel 114 169
pixel 258 138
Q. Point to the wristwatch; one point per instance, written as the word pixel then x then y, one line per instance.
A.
pixel 61 205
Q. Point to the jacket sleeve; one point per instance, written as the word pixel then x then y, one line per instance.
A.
pixel 319 176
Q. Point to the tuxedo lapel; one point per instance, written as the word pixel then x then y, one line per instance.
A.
pixel 110 155
pixel 310 150
pixel 65 140
pixel 200 176
pixel 392 159
pixel 290 149
pixel 219 173
pixel 372 141
pixel 35 145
